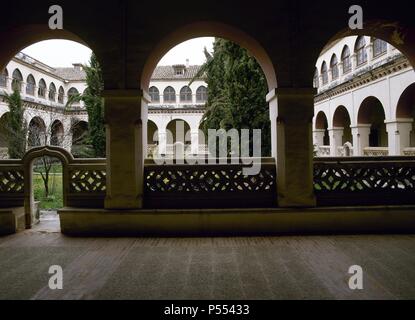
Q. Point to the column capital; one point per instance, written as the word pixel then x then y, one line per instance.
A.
pixel 361 126
pixel 290 92
pixel 335 129
pixel 399 120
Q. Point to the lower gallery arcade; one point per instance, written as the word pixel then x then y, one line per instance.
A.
pixel 317 179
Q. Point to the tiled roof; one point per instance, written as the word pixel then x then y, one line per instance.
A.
pixel 168 73
pixel 160 73
pixel 71 74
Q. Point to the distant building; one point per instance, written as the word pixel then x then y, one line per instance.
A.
pixel 45 92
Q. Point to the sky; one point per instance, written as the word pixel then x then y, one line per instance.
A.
pixel 63 53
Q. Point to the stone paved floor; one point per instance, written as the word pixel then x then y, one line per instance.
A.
pixel 314 267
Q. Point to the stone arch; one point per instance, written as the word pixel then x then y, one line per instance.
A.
pixel 397 34
pixel 79 130
pixel 24 35
pixel 324 73
pixel 371 112
pixel 154 94
pixel 17 80
pixel 201 94
pixel 342 119
pixel 405 110
pixel 334 67
pixel 406 103
pixel 61 95
pixel 41 92
pixel 37 135
pixel 178 124
pixel 186 94
pixel 209 29
pixel 346 59
pixel 321 123
pixel 37 152
pixel 169 95
pixel 30 85
pixel 152 129
pixel 57 133
pixel 52 92
pixel 4 75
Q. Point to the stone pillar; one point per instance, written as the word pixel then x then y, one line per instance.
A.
pixel 360 138
pixel 125 117
pixel 340 68
pixel 294 110
pixel 162 147
pixel 318 137
pixel 399 135
pixel 273 119
pixel 353 58
pixel 194 136
pixel 336 140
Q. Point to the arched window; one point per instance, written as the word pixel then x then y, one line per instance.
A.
pixel 30 85
pixel 169 95
pixel 379 47
pixel 52 92
pixel 3 78
pixel 17 80
pixel 72 92
pixel 41 92
pixel 61 94
pixel 316 82
pixel 360 50
pixel 154 94
pixel 334 67
pixel 347 63
pixel 186 94
pixel 201 94
pixel 324 74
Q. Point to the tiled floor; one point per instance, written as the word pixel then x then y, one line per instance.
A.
pixel 314 267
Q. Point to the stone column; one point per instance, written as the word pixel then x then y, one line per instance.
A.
pixel 294 110
pixel 318 137
pixel 336 140
pixel 125 117
pixel 399 135
pixel 360 138
pixel 353 59
pixel 194 136
pixel 162 146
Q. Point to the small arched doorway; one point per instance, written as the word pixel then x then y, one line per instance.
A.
pixel 36 162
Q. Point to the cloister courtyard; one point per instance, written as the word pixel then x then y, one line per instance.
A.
pixel 332 199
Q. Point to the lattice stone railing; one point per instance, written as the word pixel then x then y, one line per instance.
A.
pixel 209 186
pixel 409 152
pixel 376 152
pixel 11 184
pixel 86 183
pixel 363 181
pixel 323 151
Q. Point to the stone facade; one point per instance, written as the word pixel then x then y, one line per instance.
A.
pixel 364 89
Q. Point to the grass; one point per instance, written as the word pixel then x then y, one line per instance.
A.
pixel 55 199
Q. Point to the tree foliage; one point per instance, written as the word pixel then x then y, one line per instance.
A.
pixel 236 92
pixel 16 126
pixel 95 105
